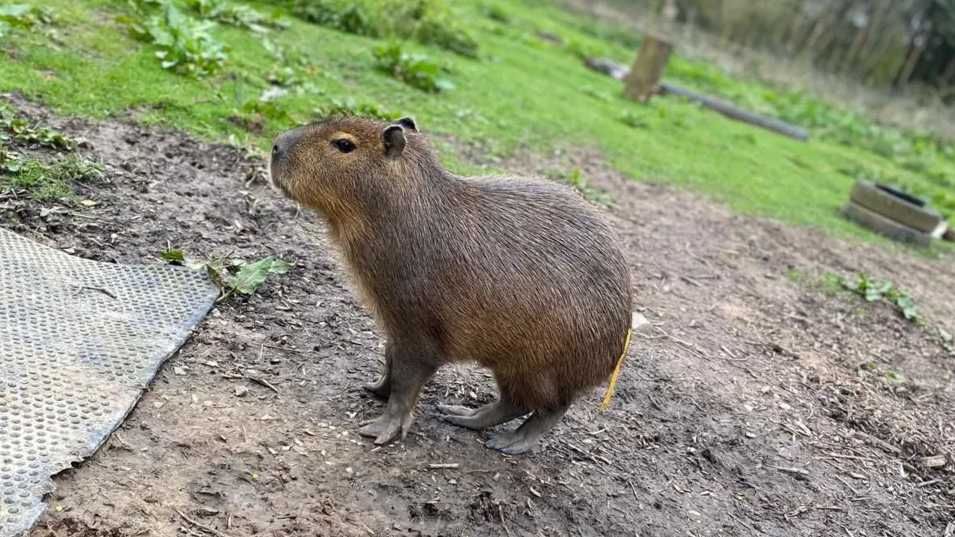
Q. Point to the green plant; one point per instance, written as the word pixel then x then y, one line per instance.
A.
pixel 496 12
pixel 23 16
pixel 883 291
pixel 416 70
pixel 240 16
pixel 430 22
pixel 232 275
pixel 13 128
pixel 184 44
pixel 637 121
pixel 50 181
pixel 351 107
pixel 580 183
pixel 443 32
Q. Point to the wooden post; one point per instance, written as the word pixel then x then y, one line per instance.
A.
pixel 644 78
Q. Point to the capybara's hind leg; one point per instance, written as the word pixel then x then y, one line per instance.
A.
pixel 382 388
pixel 496 413
pixel 525 436
pixel 409 371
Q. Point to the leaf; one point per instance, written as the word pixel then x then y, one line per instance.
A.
pixel 252 275
pixel 444 84
pixel 894 376
pixel 946 337
pixel 174 256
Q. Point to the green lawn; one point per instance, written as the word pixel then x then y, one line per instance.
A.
pixel 519 90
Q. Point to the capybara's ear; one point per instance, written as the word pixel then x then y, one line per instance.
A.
pixel 408 123
pixel 394 138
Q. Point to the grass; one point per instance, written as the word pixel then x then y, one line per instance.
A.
pixel 52 181
pixel 506 89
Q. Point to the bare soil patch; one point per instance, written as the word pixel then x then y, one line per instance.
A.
pixel 748 409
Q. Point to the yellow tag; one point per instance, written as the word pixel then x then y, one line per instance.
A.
pixel 616 373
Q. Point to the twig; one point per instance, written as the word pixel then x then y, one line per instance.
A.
pixel 732 357
pixel 798 473
pixel 698 258
pixel 691 281
pixel 100 289
pixel 586 454
pixel 264 383
pixel 202 527
pixel 286 349
pixel 690 346
pixel 500 511
pixel 634 489
pixel 443 466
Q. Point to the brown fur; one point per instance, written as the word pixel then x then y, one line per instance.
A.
pixel 520 275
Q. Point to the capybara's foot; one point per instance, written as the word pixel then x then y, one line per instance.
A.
pixel 385 429
pixel 380 389
pixel 526 436
pixel 453 410
pixel 489 415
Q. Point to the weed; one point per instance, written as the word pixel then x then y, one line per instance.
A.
pixel 54 181
pixel 416 70
pixel 496 12
pixel 795 275
pixel 13 128
pixel 10 162
pixel 351 107
pixel 444 33
pixel 582 186
pixel 232 275
pixel 184 44
pixel 883 291
pixel 601 96
pixel 240 16
pixel 430 22
pixel 23 16
pixel 634 120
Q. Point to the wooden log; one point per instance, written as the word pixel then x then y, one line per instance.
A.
pixel 644 78
pixel 732 112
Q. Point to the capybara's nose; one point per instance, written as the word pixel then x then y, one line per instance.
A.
pixel 283 142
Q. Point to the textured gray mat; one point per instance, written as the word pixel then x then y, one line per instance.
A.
pixel 79 341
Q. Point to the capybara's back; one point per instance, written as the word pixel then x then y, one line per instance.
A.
pixel 521 276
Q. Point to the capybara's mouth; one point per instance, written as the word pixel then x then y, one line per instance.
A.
pixel 274 183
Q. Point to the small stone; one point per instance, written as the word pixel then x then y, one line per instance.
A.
pixel 241 391
pixel 785 406
pixel 179 370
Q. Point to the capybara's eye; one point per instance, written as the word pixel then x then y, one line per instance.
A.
pixel 343 145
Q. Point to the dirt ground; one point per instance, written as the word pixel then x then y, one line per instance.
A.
pixel 748 408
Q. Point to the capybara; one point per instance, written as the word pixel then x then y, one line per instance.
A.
pixel 520 275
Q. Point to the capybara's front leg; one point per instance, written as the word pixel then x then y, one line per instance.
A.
pixel 410 369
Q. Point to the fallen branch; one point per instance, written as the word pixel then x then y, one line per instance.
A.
pixel 201 526
pixel 737 114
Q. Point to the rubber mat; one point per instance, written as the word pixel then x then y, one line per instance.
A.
pixel 79 341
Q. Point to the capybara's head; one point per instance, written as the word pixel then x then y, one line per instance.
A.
pixel 327 164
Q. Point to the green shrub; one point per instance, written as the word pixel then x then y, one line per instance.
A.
pixel 413 69
pixel 351 107
pixel 184 44
pixel 240 16
pixel 23 16
pixel 430 22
